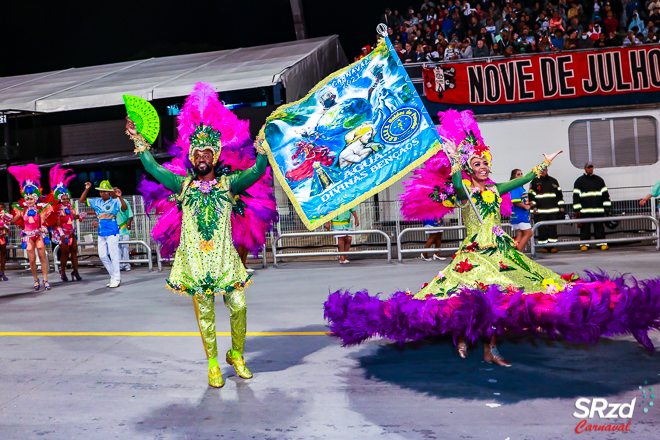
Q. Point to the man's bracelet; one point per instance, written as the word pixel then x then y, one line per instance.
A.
pixel 140 142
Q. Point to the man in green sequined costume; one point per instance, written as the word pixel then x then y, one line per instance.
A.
pixel 206 263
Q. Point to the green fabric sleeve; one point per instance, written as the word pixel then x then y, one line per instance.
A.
pixel 655 191
pixel 245 179
pixel 172 181
pixel 457 182
pixel 505 187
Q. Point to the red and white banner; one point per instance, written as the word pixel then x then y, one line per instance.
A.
pixel 551 76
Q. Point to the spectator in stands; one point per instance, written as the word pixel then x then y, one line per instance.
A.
pixel 558 39
pixel 387 18
pixel 545 45
pixel 652 5
pixel 451 53
pixel 366 50
pixel 591 199
pixel 648 31
pixel 635 21
pixel 655 17
pixel 584 42
pixel 611 23
pixel 632 8
pixel 594 32
pixel 466 49
pixel 601 42
pixel 614 40
pixel 631 39
pixel 481 50
pixel 556 21
pixel 438 54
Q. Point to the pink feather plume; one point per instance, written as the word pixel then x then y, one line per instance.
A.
pixel 59 175
pixel 23 173
pixel 203 105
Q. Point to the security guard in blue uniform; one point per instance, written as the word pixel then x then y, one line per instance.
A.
pixel 591 199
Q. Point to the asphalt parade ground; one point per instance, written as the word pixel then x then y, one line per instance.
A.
pixel 86 362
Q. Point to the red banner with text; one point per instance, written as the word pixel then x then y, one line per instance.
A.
pixel 551 76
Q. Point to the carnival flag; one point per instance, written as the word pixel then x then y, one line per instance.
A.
pixel 357 132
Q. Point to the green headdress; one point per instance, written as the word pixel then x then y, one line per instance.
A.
pixel 205 137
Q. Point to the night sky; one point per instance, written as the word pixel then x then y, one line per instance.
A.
pixel 40 36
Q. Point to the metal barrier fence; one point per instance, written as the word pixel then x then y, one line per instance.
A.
pixel 460 228
pixel 382 215
pixel 147 260
pixel 14 247
pixel 387 251
pixel 656 236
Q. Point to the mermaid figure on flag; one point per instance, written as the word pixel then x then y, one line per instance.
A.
pixel 490 287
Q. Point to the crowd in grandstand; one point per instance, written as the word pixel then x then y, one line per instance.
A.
pixel 454 29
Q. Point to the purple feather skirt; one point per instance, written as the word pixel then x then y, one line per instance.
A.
pixel 582 312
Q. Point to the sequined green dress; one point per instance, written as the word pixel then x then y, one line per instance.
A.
pixel 206 261
pixel 488 255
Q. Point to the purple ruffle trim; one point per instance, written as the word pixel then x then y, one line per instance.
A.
pixel 600 306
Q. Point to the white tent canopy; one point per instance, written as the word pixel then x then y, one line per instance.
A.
pixel 298 65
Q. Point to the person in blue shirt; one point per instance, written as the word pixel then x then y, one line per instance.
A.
pixel 107 209
pixel 520 213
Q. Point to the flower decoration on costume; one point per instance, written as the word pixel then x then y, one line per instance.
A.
pixel 570 277
pixel 206 246
pixel 498 231
pixel 551 286
pixel 488 196
pixel 207 187
pixel 505 268
pixel 464 266
pixel 205 137
pixel 468 148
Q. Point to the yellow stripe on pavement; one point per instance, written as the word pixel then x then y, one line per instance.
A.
pixel 155 333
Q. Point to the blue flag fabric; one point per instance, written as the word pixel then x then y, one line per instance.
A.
pixel 357 132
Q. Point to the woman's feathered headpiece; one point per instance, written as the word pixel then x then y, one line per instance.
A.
pixel 204 121
pixel 28 177
pixel 462 130
pixel 59 181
